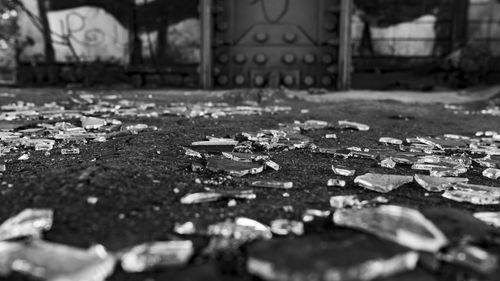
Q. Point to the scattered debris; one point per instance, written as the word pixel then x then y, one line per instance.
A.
pixel 490 218
pixel 381 182
pixel 29 223
pixel 492 173
pixel 204 197
pixel 156 255
pixel 437 184
pixel 402 225
pixel 50 261
pixel 336 183
pixel 344 124
pixel 474 194
pixel 471 257
pixel 343 171
pixel 310 258
pixel 286 227
pixel 273 184
pixel 388 163
pixel 388 140
pixel 234 168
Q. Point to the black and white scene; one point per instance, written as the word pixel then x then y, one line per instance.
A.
pixel 250 140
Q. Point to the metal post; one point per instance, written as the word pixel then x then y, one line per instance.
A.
pixel 206 44
pixel 345 45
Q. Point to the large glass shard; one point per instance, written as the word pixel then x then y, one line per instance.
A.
pixel 154 255
pixel 312 125
pixel 273 184
pixel 28 223
pixel 445 144
pixel 343 171
pixel 50 261
pixel 388 140
pixel 344 124
pixel 474 194
pixel 234 168
pixel 381 182
pixel 405 226
pixel 90 123
pixel 437 184
pixel 490 218
pixel 203 197
pixel 286 227
pixel 471 257
pixel 492 173
pixel 311 258
pixel 226 145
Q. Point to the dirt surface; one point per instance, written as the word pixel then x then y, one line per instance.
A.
pixel 139 179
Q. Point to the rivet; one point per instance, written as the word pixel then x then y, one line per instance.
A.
pixel 289 58
pixel 240 58
pixel 239 79
pixel 309 80
pixel 261 37
pixel 259 80
pixel 309 58
pixel 222 80
pixel 290 37
pixel 260 58
pixel 288 80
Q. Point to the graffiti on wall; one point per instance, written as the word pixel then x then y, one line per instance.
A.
pixel 108 30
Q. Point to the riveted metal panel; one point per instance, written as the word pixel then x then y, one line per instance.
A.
pixel 271 43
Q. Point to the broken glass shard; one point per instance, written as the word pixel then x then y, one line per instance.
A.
pixel 490 218
pixel 68 151
pixel 286 227
pixel 312 125
pixel 402 225
pixel 203 197
pixel 23 157
pixel 245 157
pixel 273 184
pixel 471 257
pixel 388 140
pixel 343 171
pixel 310 214
pixel 28 223
pixel 241 228
pixel 192 153
pixel 214 146
pixel 488 162
pixel 273 165
pixel 474 194
pixel 90 123
pixel 336 183
pixel 155 255
pixel 437 184
pixel 235 168
pixel 473 197
pixel 310 258
pixel 344 124
pixel 382 182
pixel 50 261
pixel 3 168
pixel 344 201
pixel 388 163
pixel 492 173
pixel 456 137
pixel 352 201
pixel 331 136
pixel 445 144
